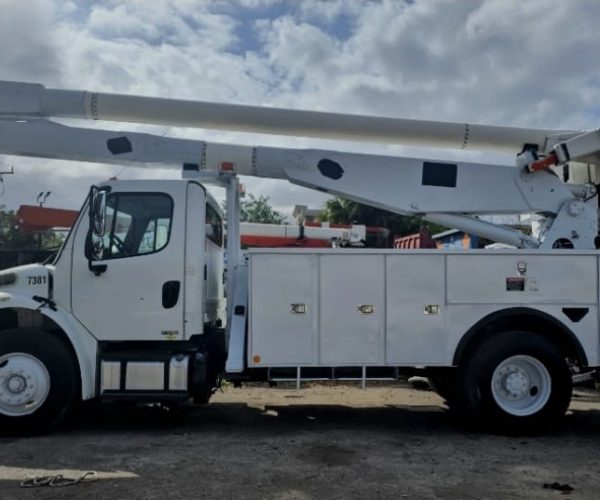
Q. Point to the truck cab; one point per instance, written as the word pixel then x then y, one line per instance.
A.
pixel 137 304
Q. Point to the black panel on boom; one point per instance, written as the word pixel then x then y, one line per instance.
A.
pixel 439 174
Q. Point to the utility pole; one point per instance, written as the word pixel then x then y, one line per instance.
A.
pixel 2 174
pixel 41 199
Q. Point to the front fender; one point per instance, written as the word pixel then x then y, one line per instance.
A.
pixel 82 341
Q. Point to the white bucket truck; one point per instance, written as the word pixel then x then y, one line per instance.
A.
pixel 137 305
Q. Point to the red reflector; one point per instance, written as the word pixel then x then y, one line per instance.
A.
pixel 227 166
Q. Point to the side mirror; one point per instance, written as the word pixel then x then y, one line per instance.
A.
pixel 98 213
pixel 94 241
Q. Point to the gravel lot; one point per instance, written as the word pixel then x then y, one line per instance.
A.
pixel 321 442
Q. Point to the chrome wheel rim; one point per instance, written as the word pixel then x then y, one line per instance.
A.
pixel 521 385
pixel 24 384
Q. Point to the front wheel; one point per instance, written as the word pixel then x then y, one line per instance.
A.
pixel 515 382
pixel 38 381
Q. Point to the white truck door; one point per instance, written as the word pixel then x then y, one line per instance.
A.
pixel 140 294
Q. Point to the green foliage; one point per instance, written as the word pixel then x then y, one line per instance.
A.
pixel 259 210
pixel 12 238
pixel 342 211
pixel 254 209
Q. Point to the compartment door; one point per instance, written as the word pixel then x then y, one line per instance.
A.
pixel 352 310
pixel 283 325
pixel 416 311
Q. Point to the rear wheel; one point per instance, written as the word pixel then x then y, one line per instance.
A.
pixel 38 381
pixel 515 382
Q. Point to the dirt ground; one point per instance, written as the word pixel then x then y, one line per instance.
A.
pixel 319 443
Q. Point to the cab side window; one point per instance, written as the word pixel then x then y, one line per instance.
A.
pixel 214 226
pixel 136 224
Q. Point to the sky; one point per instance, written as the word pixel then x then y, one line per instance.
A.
pixel 505 62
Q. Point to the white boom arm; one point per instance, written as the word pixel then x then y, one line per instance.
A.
pixel 444 192
pixel 34 100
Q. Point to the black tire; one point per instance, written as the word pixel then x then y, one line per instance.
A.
pixel 475 397
pixel 63 391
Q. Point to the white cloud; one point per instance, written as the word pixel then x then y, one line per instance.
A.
pixel 29 51
pixel 182 23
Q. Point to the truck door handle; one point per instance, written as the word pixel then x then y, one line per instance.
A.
pixel 170 293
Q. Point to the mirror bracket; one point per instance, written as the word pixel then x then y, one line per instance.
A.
pixel 97 269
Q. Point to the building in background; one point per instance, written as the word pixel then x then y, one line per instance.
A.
pixel 422 239
pixel 33 218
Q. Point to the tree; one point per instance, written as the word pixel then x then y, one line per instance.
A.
pixel 341 211
pixel 10 235
pixel 254 209
pixel 258 209
pixel 13 238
